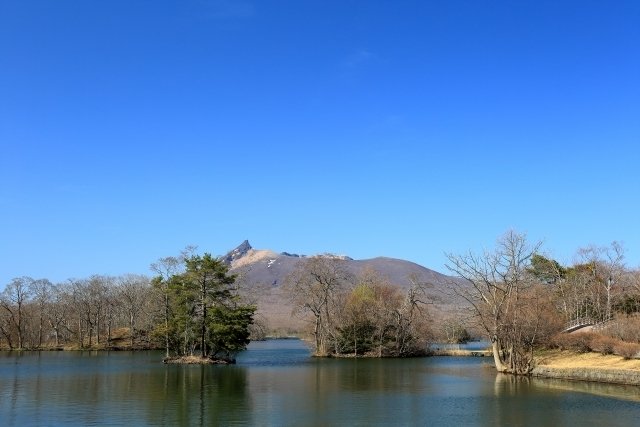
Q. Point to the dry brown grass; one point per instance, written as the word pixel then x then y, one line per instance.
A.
pixel 563 359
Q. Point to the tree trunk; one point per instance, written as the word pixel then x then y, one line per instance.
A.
pixel 203 330
pixel 40 333
pixel 131 329
pixel 497 357
pixel 166 321
pixel 317 334
pixel 80 337
pixel 19 324
pixel 98 329
pixel 109 333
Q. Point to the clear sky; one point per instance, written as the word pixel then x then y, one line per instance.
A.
pixel 130 129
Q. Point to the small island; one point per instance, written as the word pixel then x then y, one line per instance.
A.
pixel 361 316
pixel 205 319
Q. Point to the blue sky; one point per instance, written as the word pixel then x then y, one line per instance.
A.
pixel 399 128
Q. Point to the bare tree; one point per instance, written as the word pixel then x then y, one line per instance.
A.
pixel 13 300
pixel 41 291
pixel 495 285
pixel 58 310
pixel 6 328
pixel 614 269
pixel 413 333
pixel 133 291
pixel 314 287
pixel 634 281
pixel 99 287
pixel 600 268
pixel 91 301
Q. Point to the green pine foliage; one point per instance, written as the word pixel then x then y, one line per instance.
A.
pixel 205 316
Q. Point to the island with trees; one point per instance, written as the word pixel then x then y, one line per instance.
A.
pixel 205 319
pixel 359 316
pixel 191 308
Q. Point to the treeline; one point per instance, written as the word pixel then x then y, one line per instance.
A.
pixel 192 306
pixel 358 316
pixel 598 286
pixel 521 299
pixel 78 313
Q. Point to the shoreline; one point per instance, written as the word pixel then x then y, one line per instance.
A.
pixel 462 353
pixel 586 367
pixel 549 364
pixel 54 349
pixel 592 375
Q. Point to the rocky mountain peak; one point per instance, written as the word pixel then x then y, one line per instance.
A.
pixel 237 253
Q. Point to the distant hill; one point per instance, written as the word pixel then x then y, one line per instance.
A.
pixel 266 270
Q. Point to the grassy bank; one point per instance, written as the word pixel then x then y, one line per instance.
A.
pixel 590 366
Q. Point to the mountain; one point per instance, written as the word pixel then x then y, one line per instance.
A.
pixel 264 271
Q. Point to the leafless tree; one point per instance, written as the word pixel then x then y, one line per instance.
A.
pixel 41 295
pixel 598 270
pixel 13 300
pixel 314 287
pixel 133 292
pixel 6 328
pixel 57 310
pixel 495 285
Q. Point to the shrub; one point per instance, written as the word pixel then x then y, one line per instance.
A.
pixel 603 344
pixel 585 342
pixel 580 342
pixel 627 350
pixel 625 328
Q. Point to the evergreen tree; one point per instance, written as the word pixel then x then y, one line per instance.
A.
pixel 205 313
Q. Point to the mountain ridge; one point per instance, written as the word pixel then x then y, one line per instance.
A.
pixel 245 254
pixel 263 272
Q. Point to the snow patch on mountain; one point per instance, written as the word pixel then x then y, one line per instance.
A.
pixel 253 256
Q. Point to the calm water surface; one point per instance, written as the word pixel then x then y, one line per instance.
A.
pixel 276 383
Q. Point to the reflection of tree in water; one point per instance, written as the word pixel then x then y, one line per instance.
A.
pixel 122 388
pixel 522 400
pixel 516 403
pixel 511 385
pixel 200 395
pixel 375 375
pixel 616 391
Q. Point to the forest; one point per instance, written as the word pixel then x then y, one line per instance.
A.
pixel 192 306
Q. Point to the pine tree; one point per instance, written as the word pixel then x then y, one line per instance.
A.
pixel 206 314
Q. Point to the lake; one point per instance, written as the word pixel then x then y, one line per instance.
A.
pixel 277 383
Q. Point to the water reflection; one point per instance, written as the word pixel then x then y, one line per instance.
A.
pixel 627 392
pixel 277 383
pixel 198 395
pixel 534 401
